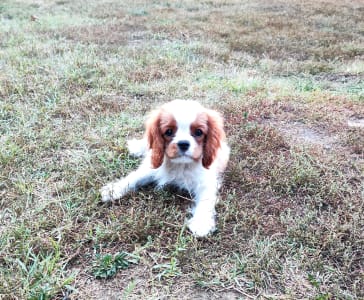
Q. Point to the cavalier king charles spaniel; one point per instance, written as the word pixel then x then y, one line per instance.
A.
pixel 185 146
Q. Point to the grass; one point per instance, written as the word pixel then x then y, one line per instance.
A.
pixel 76 80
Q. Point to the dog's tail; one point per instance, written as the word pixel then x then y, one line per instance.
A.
pixel 138 148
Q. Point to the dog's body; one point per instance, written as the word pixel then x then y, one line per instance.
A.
pixel 184 146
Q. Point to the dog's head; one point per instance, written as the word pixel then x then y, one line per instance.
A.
pixel 184 132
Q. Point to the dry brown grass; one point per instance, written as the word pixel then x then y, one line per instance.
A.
pixel 78 79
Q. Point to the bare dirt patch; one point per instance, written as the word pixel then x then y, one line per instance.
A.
pixel 356 122
pixel 138 283
pixel 115 288
pixel 297 132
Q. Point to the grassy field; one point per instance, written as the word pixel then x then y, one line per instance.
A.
pixel 76 81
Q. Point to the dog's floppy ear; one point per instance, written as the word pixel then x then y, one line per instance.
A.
pixel 215 135
pixel 155 139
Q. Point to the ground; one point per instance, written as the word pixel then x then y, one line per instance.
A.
pixel 77 79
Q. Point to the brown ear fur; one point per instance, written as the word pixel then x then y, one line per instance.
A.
pixel 214 137
pixel 155 139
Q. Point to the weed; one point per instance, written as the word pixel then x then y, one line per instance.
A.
pixel 106 266
pixel 167 270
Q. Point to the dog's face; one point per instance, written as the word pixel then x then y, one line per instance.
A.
pixel 184 132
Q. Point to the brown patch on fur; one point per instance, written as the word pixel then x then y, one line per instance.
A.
pixel 158 123
pixel 172 150
pixel 168 122
pixel 197 153
pixel 213 138
pixel 199 123
pixel 155 139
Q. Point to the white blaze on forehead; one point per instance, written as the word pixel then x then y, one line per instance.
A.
pixel 185 112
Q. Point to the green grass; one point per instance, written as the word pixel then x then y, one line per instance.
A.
pixel 76 81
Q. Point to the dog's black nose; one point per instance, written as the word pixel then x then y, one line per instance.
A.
pixel 183 145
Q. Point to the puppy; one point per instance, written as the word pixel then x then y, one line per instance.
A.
pixel 184 145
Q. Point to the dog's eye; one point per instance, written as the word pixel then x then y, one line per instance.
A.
pixel 169 132
pixel 198 132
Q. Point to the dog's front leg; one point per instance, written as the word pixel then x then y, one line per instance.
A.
pixel 116 190
pixel 203 219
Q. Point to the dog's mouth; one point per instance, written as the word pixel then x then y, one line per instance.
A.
pixel 182 159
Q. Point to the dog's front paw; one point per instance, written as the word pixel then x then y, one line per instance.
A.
pixel 107 193
pixel 110 192
pixel 201 226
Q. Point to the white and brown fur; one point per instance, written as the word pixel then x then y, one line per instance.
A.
pixel 185 146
